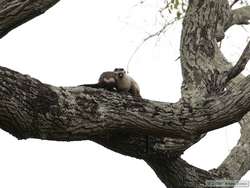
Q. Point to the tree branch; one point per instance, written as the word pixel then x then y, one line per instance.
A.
pixel 201 59
pixel 177 173
pixel 235 1
pixel 30 109
pixel 239 16
pixel 237 163
pixel 79 113
pixel 240 65
pixel 16 12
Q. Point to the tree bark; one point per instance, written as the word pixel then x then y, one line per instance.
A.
pixel 178 173
pixel 156 132
pixel 16 12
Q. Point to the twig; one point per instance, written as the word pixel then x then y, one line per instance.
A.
pixel 235 1
pixel 158 33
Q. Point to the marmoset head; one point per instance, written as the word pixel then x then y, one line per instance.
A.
pixel 120 72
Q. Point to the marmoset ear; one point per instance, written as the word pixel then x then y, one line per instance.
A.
pixel 119 70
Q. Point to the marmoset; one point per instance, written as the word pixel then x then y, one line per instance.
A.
pixel 118 80
pixel 125 83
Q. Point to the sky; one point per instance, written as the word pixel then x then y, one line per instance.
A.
pixel 71 44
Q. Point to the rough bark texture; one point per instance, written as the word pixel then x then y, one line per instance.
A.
pixel 156 132
pixel 240 16
pixel 16 12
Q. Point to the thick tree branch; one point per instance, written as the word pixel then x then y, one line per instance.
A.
pixel 237 163
pixel 16 12
pixel 177 173
pixel 145 146
pixel 79 113
pixel 239 16
pixel 202 60
pixel 30 109
pixel 203 25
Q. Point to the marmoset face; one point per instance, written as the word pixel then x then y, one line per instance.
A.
pixel 120 75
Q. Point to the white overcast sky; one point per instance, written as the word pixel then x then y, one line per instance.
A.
pixel 72 44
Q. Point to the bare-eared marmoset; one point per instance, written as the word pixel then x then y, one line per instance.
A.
pixel 117 80
pixel 125 83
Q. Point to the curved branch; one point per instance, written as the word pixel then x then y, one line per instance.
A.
pixel 177 173
pixel 13 13
pixel 240 65
pixel 145 147
pixel 78 112
pixel 237 163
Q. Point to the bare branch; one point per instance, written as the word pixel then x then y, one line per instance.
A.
pixel 239 16
pixel 240 65
pixel 237 163
pixel 16 12
pixel 80 113
pixel 235 1
pixel 177 173
pixel 232 166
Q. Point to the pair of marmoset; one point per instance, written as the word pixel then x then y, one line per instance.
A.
pixel 117 80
